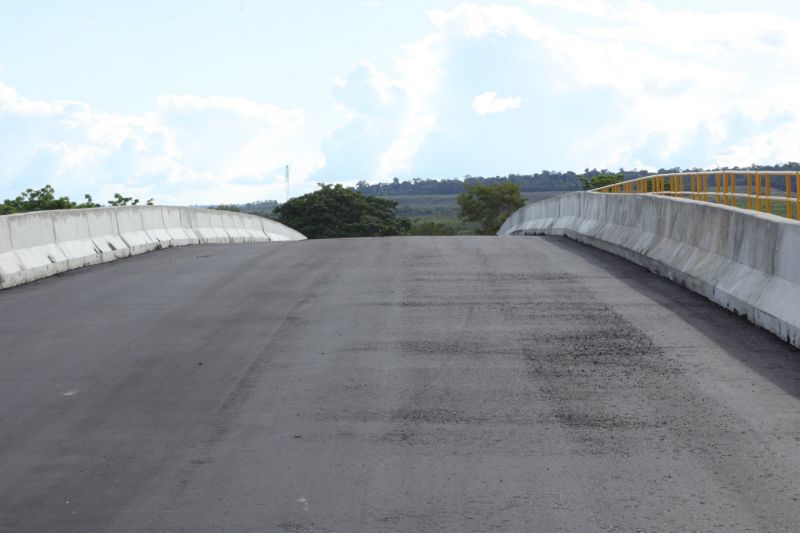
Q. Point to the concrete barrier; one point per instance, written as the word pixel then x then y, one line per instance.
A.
pixel 40 244
pixel 746 261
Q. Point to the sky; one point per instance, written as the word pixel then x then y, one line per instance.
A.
pixel 205 102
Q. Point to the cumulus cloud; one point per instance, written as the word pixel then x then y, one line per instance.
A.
pixel 622 84
pixel 188 149
pixel 387 118
pixel 488 103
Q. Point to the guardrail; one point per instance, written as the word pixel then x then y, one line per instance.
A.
pixel 743 260
pixel 726 187
pixel 43 243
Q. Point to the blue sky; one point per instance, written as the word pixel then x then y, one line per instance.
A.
pixel 196 102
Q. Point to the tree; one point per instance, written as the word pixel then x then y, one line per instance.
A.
pixel 43 199
pixel 600 180
pixel 120 200
pixel 88 202
pixel 489 205
pixel 335 211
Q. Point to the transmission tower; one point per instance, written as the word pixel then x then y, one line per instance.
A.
pixel 287 183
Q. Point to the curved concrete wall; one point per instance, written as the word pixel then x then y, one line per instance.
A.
pixel 746 261
pixel 43 243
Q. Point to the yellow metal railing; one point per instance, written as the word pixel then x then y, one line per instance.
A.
pixel 695 186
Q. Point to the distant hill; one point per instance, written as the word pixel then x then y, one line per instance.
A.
pixel 544 181
pixel 263 208
pixel 441 192
pixel 539 182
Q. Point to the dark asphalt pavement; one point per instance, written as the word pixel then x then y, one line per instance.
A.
pixel 402 384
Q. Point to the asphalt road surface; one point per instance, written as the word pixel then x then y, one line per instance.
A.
pixel 402 384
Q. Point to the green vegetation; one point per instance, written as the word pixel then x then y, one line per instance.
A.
pixel 225 207
pixel 777 207
pixel 490 205
pixel 45 199
pixel 432 227
pixel 262 208
pixel 335 211
pixel 120 200
pixel 443 210
pixel 433 204
pixel 36 200
pixel 444 207
pixel 600 180
pixel 543 181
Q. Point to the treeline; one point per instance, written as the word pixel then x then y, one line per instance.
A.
pixel 542 181
pixel 263 208
pixel 45 199
pixel 783 167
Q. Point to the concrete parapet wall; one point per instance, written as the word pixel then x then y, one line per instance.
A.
pixel 746 261
pixel 43 243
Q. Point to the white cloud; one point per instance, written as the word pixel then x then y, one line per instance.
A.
pixel 421 71
pixel 387 119
pixel 473 21
pixel 189 149
pixel 593 8
pixel 625 83
pixel 11 102
pixel 488 103
pixel 269 115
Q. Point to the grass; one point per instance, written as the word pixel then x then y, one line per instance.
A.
pixel 443 209
pixel 447 226
pixel 777 207
pixel 446 204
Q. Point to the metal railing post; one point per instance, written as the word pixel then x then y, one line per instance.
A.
pixel 758 192
pixel 725 188
pixel 696 186
pixel 797 195
pixel 768 179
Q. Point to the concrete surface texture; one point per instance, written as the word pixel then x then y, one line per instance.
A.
pixel 746 261
pixel 40 244
pixel 399 384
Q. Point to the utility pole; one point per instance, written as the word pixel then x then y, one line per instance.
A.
pixel 287 183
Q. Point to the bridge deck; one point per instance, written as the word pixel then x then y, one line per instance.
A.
pixel 405 384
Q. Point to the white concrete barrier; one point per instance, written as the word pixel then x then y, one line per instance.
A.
pixel 40 244
pixel 746 261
